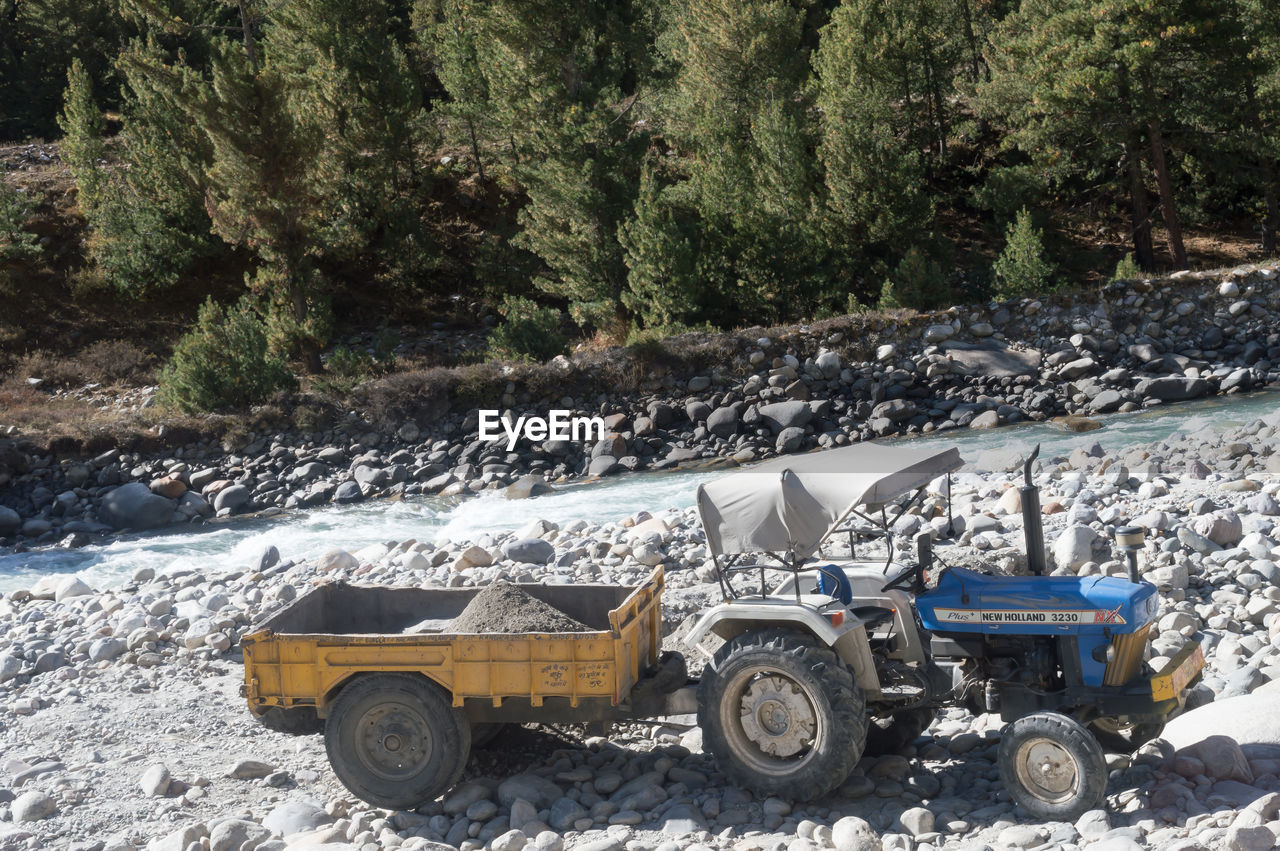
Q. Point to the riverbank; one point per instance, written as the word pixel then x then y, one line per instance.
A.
pixel 705 399
pixel 123 728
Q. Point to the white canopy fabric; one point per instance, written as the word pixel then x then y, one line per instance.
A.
pixel 791 504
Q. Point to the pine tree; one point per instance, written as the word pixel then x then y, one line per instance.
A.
pixel 739 114
pixel 82 146
pixel 1092 89
pixel 151 228
pixel 663 285
pixel 882 99
pixel 559 78
pixel 1022 268
pixel 349 80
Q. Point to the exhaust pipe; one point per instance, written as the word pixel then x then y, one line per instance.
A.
pixel 1032 530
pixel 1131 539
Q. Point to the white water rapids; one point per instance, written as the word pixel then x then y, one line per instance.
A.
pixel 301 534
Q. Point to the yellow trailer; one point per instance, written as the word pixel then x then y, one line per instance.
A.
pixel 401 701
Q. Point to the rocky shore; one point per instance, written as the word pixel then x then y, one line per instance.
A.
pixel 1137 344
pixel 122 728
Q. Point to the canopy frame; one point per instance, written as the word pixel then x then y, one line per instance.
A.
pixel 800 504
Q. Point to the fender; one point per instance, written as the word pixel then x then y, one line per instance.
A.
pixel 849 639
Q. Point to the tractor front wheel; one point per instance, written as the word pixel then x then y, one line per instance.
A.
pixel 782 714
pixel 1052 766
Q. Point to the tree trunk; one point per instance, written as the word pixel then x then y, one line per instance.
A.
pixel 975 66
pixel 246 26
pixel 1141 214
pixel 1272 219
pixel 1177 253
pixel 475 148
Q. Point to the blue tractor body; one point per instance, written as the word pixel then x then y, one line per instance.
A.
pixel 1095 610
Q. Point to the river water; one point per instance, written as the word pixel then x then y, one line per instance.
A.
pixel 239 544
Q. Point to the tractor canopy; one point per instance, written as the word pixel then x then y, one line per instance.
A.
pixel 792 504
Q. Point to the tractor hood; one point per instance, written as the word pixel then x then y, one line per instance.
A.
pixel 967 601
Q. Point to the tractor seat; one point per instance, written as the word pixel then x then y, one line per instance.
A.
pixel 872 616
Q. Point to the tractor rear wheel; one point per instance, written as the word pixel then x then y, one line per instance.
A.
pixel 889 734
pixel 782 714
pixel 396 740
pixel 1052 766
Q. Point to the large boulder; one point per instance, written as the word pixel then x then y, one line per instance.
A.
pixel 529 551
pixel 294 817
pixel 1074 546
pixel 784 415
pixel 134 506
pixel 1251 719
pixel 1173 388
pixel 10 520
pixel 1223 527
pixel 526 487
pixel 723 422
pixel 992 359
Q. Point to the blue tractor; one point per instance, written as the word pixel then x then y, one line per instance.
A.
pixel 814 662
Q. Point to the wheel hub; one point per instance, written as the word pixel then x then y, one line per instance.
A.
pixel 394 741
pixel 777 717
pixel 1048 770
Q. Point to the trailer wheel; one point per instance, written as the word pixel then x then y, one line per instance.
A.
pixel 294 721
pixel 782 714
pixel 395 740
pixel 1052 766
pixel 889 734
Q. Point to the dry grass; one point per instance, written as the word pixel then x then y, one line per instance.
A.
pixel 109 363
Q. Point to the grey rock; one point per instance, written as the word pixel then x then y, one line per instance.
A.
pixel 10 520
pixel 529 551
pixel 155 781
pixel 294 817
pixel 723 422
pixel 71 586
pixel 233 835
pixel 106 649
pixel 783 415
pixel 526 487
pixel 231 498
pixel 1173 388
pixel 854 834
pixel 349 492
pixel 790 439
pixel 1074 546
pixel 32 806
pixel 134 506
pixel 604 465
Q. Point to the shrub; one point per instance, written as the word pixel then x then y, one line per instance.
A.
pixel 917 282
pixel 1022 268
pixel 224 361
pixel 527 331
pixel 1127 269
pixel 16 242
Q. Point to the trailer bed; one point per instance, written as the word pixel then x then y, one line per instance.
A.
pixel 302 655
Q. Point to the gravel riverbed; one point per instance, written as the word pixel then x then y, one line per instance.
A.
pixel 121 726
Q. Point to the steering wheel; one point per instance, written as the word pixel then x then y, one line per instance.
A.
pixel 914 572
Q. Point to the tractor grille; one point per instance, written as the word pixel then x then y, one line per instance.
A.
pixel 1129 651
